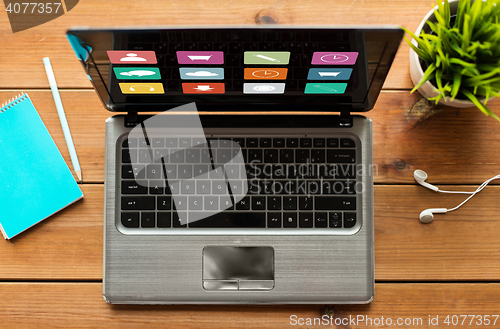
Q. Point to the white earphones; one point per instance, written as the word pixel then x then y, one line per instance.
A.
pixel 427 215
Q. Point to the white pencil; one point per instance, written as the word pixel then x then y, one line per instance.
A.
pixel 62 118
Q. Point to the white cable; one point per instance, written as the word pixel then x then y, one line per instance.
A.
pixel 479 189
pixel 457 192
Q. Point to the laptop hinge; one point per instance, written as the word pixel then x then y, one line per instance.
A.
pixel 345 119
pixel 131 119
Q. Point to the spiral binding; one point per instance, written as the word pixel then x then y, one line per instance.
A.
pixel 13 101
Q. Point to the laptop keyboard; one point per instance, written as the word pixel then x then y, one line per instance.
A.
pixel 292 182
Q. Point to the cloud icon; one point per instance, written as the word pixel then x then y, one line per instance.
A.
pixel 202 74
pixel 139 73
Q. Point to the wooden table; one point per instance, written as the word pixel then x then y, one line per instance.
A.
pixel 51 275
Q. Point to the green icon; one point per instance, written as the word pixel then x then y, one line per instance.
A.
pixel 267 57
pixel 137 73
pixel 325 88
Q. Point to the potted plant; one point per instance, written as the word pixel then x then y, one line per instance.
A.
pixel 455 54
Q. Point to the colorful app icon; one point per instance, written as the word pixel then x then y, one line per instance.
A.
pixel 325 88
pixel 200 57
pixel 203 88
pixel 329 74
pixel 137 73
pixel 263 88
pixel 201 73
pixel 267 57
pixel 132 56
pixel 334 58
pixel 141 88
pixel 265 74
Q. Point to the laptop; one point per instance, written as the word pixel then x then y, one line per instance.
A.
pixel 238 171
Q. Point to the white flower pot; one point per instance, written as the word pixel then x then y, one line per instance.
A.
pixel 427 90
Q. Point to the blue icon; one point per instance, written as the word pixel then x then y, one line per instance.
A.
pixel 325 88
pixel 329 74
pixel 201 73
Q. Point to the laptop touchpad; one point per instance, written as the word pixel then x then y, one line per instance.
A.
pixel 238 268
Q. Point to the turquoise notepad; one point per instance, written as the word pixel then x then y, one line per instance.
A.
pixel 35 181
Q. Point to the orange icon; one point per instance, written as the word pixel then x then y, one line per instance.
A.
pixel 265 73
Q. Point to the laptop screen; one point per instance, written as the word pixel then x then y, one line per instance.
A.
pixel 258 68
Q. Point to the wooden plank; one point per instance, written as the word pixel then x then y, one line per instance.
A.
pixel 461 245
pixel 456 146
pixel 22 52
pixel 71 305
pixel 65 246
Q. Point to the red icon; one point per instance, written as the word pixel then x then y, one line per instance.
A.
pixel 132 57
pixel 203 88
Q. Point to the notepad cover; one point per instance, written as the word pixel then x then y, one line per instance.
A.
pixel 35 181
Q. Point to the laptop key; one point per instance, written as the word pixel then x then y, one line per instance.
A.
pixel 138 203
pixel 335 219
pixel 302 156
pixel 243 204
pixel 265 142
pixel 156 187
pixel 233 219
pixel 292 142
pixel 274 220
pixel 320 219
pixel 130 219
pixel 332 142
pixel 347 142
pixel 163 203
pixel 345 171
pixel 163 219
pixel 341 156
pixel 129 156
pixel 278 142
pixel 148 219
pixel 158 142
pixel 318 156
pixel 305 142
pixel 134 187
pixel 154 171
pixel 270 156
pixel 305 203
pixel 176 221
pixel 306 219
pixel 172 142
pixel 252 142
pixel 127 172
pixel 290 203
pixel 349 219
pixel 286 155
pixel 273 203
pixel 319 142
pixel 290 219
pixel 145 156
pixel 258 203
pixel 129 142
pixel 335 203
pixel 255 155
pixel 240 141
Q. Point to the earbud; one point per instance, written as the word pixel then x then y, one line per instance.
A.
pixel 420 177
pixel 427 215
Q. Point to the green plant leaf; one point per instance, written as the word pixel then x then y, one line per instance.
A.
pixel 479 105
pixel 422 54
pixel 457 79
pixel 428 75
